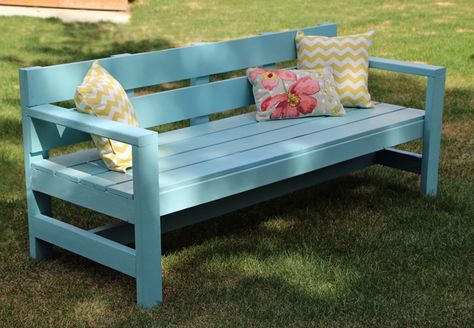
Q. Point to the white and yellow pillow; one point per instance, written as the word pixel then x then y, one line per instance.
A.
pixel 349 58
pixel 102 95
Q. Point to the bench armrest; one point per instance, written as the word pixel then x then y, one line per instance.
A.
pixel 92 124
pixel 434 104
pixel 406 67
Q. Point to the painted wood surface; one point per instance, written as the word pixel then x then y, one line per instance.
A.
pixel 92 124
pixel 155 67
pixel 432 133
pixel 399 159
pixel 147 225
pixel 405 67
pixel 206 153
pixel 84 243
pixel 81 194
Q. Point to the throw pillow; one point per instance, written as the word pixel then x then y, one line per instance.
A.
pixel 294 93
pixel 348 56
pixel 102 95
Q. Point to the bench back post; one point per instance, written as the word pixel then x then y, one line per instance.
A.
pixel 198 81
pixel 432 132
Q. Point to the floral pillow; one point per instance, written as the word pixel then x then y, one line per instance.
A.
pixel 283 94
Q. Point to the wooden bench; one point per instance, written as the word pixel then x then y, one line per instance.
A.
pixel 209 168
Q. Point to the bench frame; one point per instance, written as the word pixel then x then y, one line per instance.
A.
pixel 143 224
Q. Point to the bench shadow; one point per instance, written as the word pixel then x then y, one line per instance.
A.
pixel 343 189
pixel 285 251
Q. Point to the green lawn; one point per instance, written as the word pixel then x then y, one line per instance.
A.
pixel 362 250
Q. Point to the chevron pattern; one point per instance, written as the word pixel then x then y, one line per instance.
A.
pixel 102 95
pixel 349 58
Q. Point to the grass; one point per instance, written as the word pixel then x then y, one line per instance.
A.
pixel 362 250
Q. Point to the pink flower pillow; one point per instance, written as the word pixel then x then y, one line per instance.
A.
pixel 294 93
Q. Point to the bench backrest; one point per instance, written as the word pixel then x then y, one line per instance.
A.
pixel 43 85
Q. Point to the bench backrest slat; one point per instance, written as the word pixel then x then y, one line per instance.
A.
pixel 58 83
pixel 43 85
pixel 194 101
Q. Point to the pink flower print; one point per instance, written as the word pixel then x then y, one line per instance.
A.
pixel 270 76
pixel 297 100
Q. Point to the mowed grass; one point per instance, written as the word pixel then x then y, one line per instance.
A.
pixel 361 250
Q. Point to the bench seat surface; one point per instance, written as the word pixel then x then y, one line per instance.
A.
pixel 204 162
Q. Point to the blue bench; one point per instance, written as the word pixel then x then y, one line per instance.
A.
pixel 209 168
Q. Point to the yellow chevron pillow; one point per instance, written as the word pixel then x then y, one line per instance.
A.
pixel 349 58
pixel 102 95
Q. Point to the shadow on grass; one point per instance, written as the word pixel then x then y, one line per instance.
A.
pixel 313 251
pixel 10 130
pixel 80 40
pixel 333 248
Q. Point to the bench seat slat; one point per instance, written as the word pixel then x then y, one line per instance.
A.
pixel 253 141
pixel 201 148
pixel 252 177
pixel 78 193
pixel 267 131
pixel 79 172
pixel 203 129
pixel 229 133
pixel 285 148
pixel 203 171
pixel 58 163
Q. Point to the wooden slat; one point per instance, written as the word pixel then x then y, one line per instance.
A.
pixel 55 164
pixel 92 124
pixel 287 147
pixel 77 193
pixel 202 129
pixel 84 243
pixel 258 175
pixel 256 135
pixel 202 147
pixel 104 180
pixel 399 159
pixel 58 83
pixel 237 137
pixel 296 147
pixel 122 232
pixel 406 67
pixel 197 81
pixel 198 100
pixel 120 5
pixel 80 172
pixel 212 209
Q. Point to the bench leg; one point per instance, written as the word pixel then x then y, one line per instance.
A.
pixel 432 134
pixel 38 203
pixel 148 264
pixel 147 225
